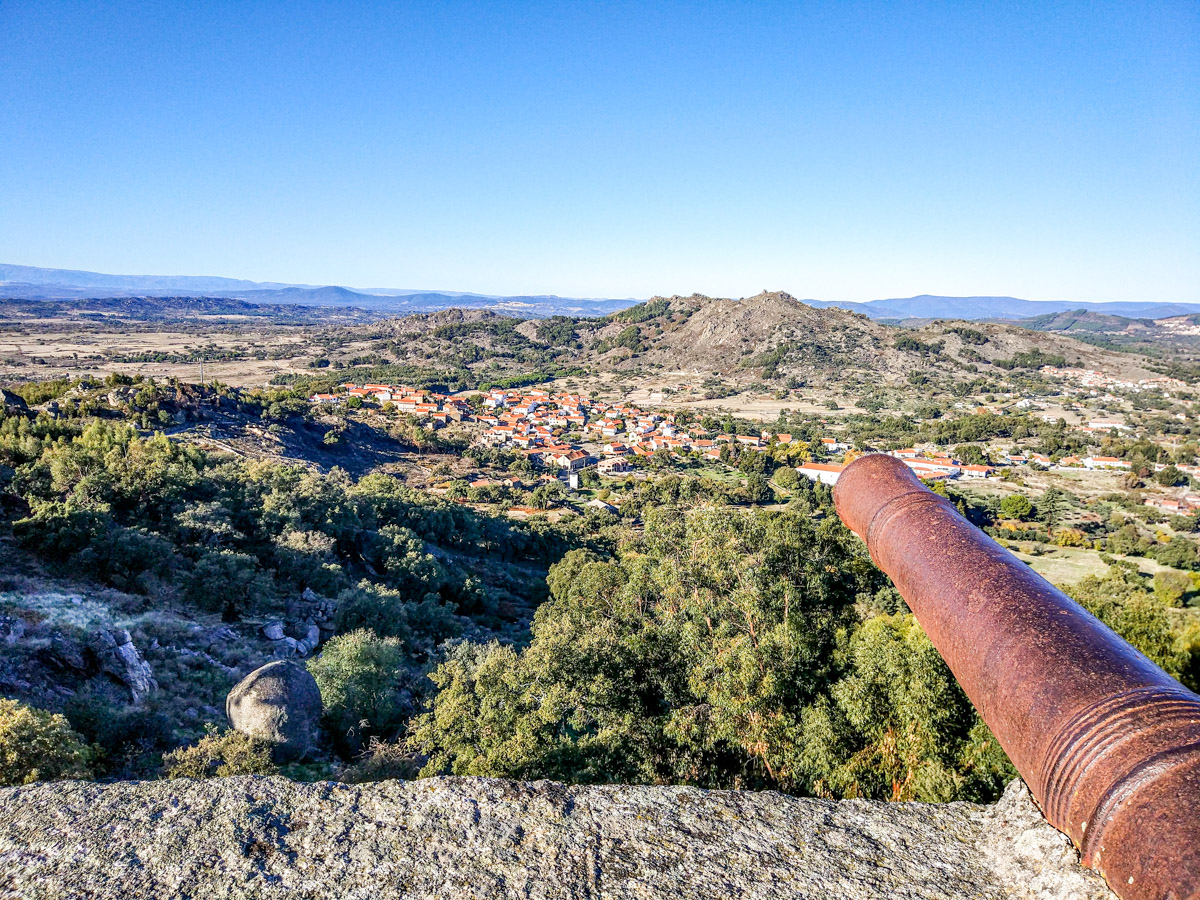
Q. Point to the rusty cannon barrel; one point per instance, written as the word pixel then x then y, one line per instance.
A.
pixel 1108 743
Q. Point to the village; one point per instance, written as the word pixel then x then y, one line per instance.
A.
pixel 564 434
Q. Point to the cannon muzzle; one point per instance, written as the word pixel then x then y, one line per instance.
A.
pixel 1108 743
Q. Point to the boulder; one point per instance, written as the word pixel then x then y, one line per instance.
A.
pixel 64 654
pixel 273 631
pixel 13 401
pixel 280 703
pixel 286 648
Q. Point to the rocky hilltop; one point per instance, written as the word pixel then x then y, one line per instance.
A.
pixel 769 336
pixel 484 838
pixel 774 333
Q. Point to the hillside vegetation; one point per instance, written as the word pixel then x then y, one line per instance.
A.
pixel 771 337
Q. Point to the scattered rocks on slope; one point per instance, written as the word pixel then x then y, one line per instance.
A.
pixel 482 838
pixel 281 703
pixel 310 619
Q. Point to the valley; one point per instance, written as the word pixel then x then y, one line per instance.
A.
pixel 431 502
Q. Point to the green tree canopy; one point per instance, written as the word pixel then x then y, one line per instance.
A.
pixel 1016 506
pixel 714 651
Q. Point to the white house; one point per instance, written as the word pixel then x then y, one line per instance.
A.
pixel 822 472
pixel 614 465
pixel 573 460
pixel 1104 462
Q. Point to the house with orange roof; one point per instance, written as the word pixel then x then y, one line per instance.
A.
pixel 977 471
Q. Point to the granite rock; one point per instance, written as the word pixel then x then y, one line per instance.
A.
pixel 280 703
pixel 119 658
pixel 483 838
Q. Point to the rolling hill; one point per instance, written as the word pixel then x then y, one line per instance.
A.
pixel 771 337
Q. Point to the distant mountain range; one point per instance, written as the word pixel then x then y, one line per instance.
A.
pixel 32 283
pixel 928 306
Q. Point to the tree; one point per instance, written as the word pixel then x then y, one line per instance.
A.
pixel 1049 508
pixel 36 745
pixel 544 495
pixel 899 726
pixel 1170 587
pixel 1170 476
pixel 364 686
pixel 971 454
pixel 787 478
pixel 1178 553
pixel 758 489
pixel 1016 506
pixel 1120 600
pixel 228 581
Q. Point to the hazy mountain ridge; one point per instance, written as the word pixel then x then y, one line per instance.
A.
pixel 34 283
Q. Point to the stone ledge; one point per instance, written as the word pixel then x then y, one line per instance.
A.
pixel 485 838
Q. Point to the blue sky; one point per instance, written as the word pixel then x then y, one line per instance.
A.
pixel 841 151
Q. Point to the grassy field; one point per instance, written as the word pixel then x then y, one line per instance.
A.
pixel 1066 565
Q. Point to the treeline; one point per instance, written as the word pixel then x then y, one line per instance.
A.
pixel 233 536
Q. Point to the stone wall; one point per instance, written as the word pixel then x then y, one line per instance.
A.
pixel 484 838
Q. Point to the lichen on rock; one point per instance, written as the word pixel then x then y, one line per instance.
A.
pixel 486 838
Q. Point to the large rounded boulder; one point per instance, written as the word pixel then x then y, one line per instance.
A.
pixel 280 703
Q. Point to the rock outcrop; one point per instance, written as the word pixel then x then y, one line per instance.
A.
pixel 310 621
pixel 280 703
pixel 484 838
pixel 119 659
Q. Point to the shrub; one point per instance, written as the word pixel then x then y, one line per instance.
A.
pixel 126 742
pixel 1170 587
pixel 363 681
pixel 36 745
pixel 968 335
pixel 420 624
pixel 220 754
pixel 383 761
pixel 1070 537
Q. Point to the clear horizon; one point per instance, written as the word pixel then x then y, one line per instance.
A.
pixel 841 154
